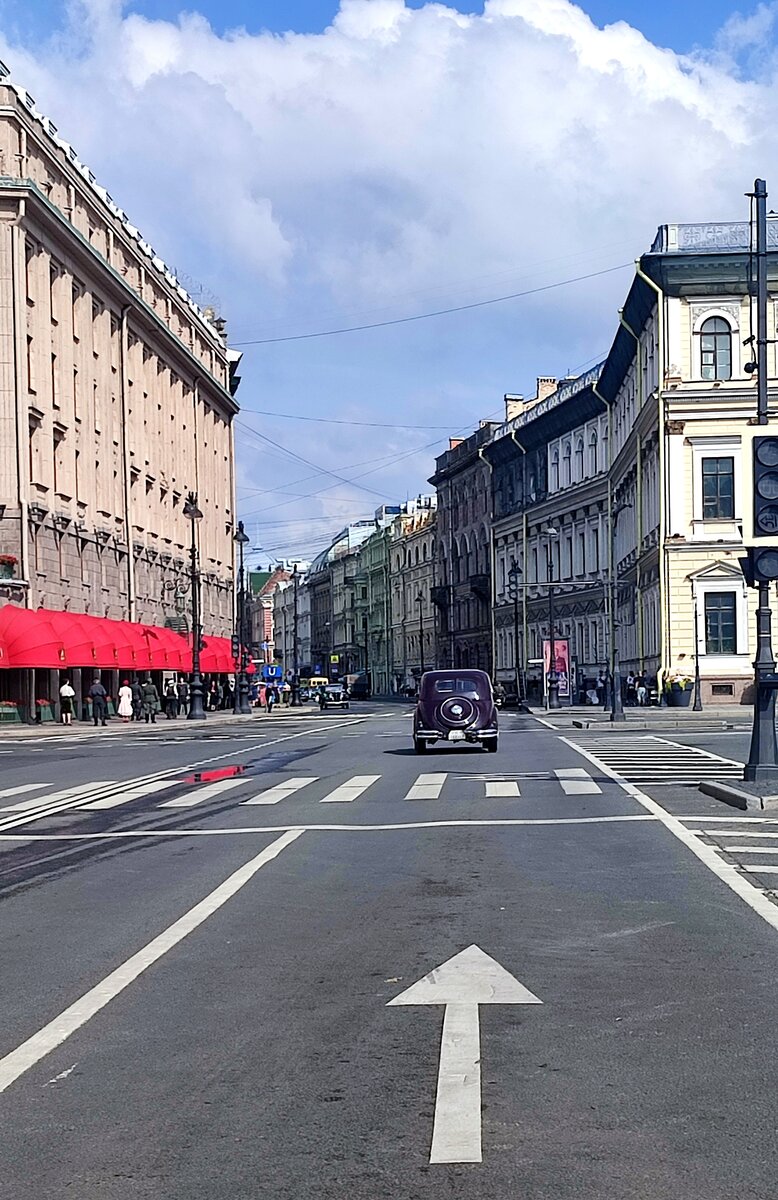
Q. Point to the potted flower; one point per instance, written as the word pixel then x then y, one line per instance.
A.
pixel 678 689
pixel 7 565
pixel 44 710
pixel 10 710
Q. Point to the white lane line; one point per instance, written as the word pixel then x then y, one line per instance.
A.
pixel 274 795
pixel 22 787
pixel 527 822
pixel 749 850
pixel 760 869
pixel 148 789
pixel 741 833
pixel 73 794
pixel 502 787
pixel 426 787
pixel 708 855
pixel 350 790
pixel 204 793
pixel 574 781
pixel 55 1033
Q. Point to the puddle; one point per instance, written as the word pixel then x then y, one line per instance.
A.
pixel 214 775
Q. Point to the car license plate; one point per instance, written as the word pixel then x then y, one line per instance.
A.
pixel 456 735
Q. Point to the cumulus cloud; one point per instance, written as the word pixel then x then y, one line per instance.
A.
pixel 404 159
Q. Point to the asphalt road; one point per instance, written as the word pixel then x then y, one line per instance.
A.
pixel 197 973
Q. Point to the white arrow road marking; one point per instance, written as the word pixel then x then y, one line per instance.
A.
pixel 468 979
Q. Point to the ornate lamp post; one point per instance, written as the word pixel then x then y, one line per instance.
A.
pixel 420 602
pixel 295 697
pixel 513 577
pixel 553 678
pixel 697 705
pixel 241 705
pixel 196 710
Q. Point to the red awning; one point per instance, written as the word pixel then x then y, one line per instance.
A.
pixel 89 641
pixel 216 658
pixel 30 639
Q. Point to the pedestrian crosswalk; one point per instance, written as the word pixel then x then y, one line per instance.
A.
pixel 650 759
pixel 749 845
pixel 428 786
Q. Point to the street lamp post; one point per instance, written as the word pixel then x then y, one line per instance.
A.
pixel 367 657
pixel 617 706
pixel 420 602
pixel 553 678
pixel 241 704
pixel 513 575
pixel 196 710
pixel 697 705
pixel 295 697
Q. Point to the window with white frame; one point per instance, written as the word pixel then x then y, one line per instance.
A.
pixel 720 622
pixel 579 460
pixel 593 452
pixel 716 349
pixel 555 469
pixel 718 487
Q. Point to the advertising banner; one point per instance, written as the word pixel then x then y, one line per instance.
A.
pixel 561 664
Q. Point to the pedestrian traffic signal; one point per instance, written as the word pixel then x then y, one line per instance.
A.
pixel 765 487
pixel 235 645
pixel 760 565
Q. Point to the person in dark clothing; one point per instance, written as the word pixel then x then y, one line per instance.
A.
pixel 150 701
pixel 171 701
pixel 183 697
pixel 137 701
pixel 99 698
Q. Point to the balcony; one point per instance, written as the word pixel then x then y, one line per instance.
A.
pixel 480 586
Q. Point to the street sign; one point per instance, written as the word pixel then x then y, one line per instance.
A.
pixel 468 979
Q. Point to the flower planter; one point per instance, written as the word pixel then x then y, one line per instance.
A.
pixel 6 570
pixel 10 714
pixel 679 696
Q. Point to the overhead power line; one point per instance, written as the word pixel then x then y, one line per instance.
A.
pixel 440 312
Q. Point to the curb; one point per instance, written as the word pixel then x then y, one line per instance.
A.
pixel 737 797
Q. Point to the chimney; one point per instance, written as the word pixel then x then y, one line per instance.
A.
pixel 546 385
pixel 514 405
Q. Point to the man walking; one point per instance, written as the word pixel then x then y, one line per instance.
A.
pixel 99 698
pixel 137 700
pixel 150 700
pixel 183 697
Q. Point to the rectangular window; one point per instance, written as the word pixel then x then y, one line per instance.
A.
pixel 720 623
pixel 718 488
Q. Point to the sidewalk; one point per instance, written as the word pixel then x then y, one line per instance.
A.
pixel 721 717
pixel 116 725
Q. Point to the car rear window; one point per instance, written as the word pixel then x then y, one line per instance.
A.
pixel 459 685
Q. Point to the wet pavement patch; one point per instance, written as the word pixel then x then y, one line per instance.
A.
pixel 213 776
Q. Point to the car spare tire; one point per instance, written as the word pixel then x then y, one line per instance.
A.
pixel 457 711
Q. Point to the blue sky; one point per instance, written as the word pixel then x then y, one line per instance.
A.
pixel 405 161
pixel 680 24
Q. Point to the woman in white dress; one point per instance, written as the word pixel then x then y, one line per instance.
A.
pixel 125 701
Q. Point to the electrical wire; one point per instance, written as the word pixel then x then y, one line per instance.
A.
pixel 441 312
pixel 259 412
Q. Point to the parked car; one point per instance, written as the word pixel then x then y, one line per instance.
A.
pixel 455 706
pixel 334 695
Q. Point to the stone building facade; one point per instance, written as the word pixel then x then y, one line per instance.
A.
pixel 115 400
pixel 462 594
pixel 412 572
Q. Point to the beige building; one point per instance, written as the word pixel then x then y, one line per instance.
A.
pixel 115 400
pixel 412 576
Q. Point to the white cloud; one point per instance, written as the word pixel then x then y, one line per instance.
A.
pixel 406 159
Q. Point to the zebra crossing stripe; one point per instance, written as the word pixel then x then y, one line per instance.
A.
pixel 204 793
pixel 350 790
pixel 426 787
pixel 280 791
pixel 148 789
pixel 574 781
pixel 501 788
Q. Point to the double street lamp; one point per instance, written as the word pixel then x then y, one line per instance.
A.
pixel 196 711
pixel 241 705
pixel 552 679
pixel 420 602
pixel 513 579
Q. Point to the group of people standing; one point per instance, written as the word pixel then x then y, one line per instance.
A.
pixel 137 701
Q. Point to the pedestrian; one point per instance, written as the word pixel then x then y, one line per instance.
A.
pixel 183 697
pixel 66 697
pixel 99 698
pixel 171 701
pixel 150 700
pixel 137 700
pixel 286 689
pixel 642 691
pixel 270 698
pixel 125 701
pixel 322 696
pixel 600 687
pixel 229 694
pixel 632 690
pixel 213 696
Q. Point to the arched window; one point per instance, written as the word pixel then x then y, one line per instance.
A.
pixel 579 459
pixel 555 471
pixel 566 465
pixel 425 552
pixel 715 349
pixel 417 556
pixel 593 452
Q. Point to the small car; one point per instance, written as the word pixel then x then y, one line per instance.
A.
pixel 455 706
pixel 334 696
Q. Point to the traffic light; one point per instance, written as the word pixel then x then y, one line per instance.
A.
pixel 760 507
pixel 235 646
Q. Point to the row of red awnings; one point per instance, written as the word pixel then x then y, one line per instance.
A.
pixel 44 638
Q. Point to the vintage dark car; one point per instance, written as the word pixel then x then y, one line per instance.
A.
pixel 455 706
pixel 334 695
